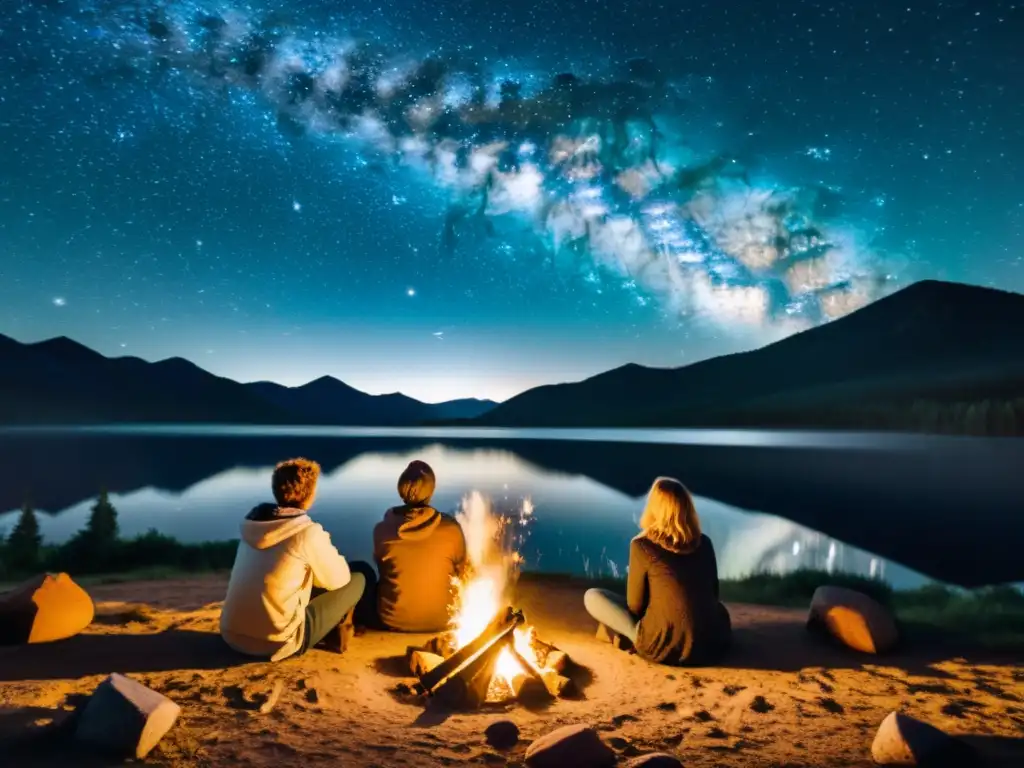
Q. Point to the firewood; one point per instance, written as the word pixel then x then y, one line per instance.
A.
pixel 421 662
pixel 125 717
pixel 497 632
pixel 439 645
pixel 556 684
pixel 556 660
pixel 517 683
pixel 469 686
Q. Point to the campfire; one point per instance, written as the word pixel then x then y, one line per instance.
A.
pixel 490 654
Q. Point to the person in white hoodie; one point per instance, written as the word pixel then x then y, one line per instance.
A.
pixel 281 557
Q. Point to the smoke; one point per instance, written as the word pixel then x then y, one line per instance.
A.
pixel 590 165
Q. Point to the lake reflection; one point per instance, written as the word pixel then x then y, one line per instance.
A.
pixel 580 525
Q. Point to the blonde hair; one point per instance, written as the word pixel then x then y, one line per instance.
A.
pixel 670 519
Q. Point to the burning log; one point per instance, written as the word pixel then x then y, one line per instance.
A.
pixel 479 671
pixel 470 685
pixel 498 632
pixel 553 683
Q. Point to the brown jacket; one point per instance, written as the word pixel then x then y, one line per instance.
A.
pixel 418 552
pixel 675 594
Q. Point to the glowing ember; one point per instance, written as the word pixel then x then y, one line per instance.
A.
pixel 482 592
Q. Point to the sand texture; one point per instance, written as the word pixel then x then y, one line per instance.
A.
pixel 783 698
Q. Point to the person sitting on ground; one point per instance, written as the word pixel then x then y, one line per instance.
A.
pixel 282 556
pixel 419 552
pixel 671 613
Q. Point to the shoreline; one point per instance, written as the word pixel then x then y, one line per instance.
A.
pixel 989 617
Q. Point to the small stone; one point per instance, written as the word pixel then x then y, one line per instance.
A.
pixel 902 740
pixel 125 717
pixel 853 618
pixel 761 705
pixel 502 734
pixel 655 760
pixel 575 745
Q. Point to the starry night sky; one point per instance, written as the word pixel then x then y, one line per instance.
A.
pixel 164 190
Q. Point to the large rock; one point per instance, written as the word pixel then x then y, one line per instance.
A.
pixel 854 619
pixel 575 745
pixel 125 718
pixel 43 609
pixel 902 740
pixel 655 760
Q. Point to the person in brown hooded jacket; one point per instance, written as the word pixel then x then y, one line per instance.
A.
pixel 418 552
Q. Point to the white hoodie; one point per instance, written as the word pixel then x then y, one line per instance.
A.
pixel 281 556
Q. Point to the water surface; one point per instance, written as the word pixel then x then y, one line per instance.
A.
pixel 763 497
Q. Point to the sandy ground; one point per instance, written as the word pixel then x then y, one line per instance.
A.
pixel 783 698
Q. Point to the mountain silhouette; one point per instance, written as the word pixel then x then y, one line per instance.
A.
pixel 329 401
pixel 933 340
pixel 59 381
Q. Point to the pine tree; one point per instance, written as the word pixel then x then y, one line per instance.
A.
pixel 25 543
pixel 101 530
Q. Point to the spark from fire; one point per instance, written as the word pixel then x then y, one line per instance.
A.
pixel 483 591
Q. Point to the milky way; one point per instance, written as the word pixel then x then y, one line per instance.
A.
pixel 594 165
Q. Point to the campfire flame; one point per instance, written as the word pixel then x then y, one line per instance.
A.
pixel 483 590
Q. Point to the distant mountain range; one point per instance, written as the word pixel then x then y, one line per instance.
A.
pixel 940 348
pixel 918 358
pixel 60 381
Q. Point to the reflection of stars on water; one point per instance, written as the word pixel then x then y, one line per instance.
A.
pixel 296 206
pixel 410 291
pixel 59 301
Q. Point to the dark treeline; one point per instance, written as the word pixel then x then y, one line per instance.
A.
pixel 98 548
pixel 980 418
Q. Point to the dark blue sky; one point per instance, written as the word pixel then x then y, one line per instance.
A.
pixel 161 195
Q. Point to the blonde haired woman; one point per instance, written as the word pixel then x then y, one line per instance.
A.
pixel 671 612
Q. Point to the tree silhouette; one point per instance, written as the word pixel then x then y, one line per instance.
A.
pixel 101 530
pixel 25 543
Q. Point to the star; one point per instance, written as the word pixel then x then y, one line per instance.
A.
pixel 59 301
pixel 296 206
pixel 410 291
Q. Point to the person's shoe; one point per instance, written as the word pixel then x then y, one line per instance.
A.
pixel 334 641
pixel 338 639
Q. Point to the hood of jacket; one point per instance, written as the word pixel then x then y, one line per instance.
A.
pixel 413 522
pixel 267 525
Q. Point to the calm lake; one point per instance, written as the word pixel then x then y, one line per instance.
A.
pixel 900 508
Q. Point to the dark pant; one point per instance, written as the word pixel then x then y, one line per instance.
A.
pixel 328 609
pixel 366 609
